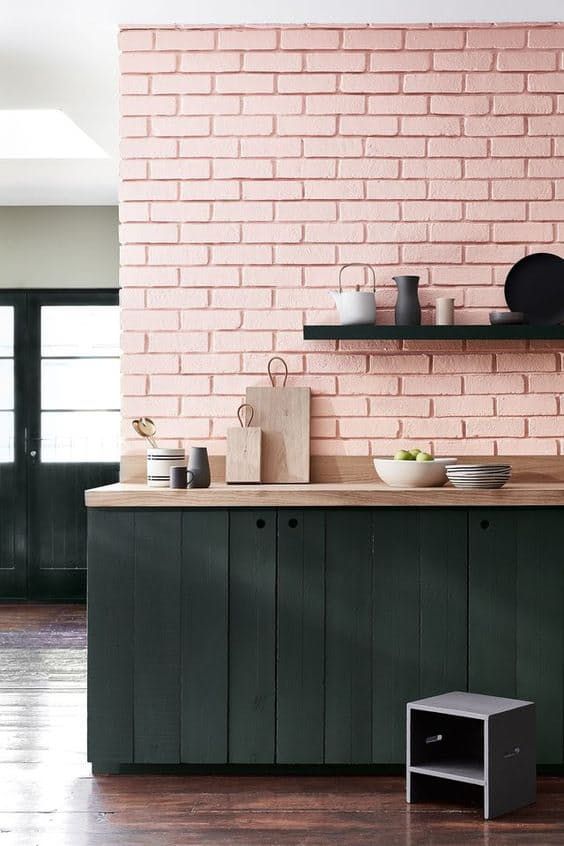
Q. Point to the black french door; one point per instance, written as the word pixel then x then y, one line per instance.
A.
pixel 59 433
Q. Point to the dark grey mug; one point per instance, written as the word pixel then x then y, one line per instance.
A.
pixel 179 477
pixel 199 466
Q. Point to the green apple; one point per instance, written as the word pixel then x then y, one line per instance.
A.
pixel 415 452
pixel 424 456
pixel 403 455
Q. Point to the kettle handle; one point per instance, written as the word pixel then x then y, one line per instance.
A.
pixel 357 264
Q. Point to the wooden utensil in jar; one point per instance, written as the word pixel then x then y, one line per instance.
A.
pixel 145 427
pixel 243 460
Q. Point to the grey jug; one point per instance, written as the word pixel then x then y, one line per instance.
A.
pixel 199 466
pixel 408 310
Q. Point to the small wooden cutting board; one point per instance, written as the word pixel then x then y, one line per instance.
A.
pixel 283 414
pixel 244 447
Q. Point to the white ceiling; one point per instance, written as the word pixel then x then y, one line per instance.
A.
pixel 63 55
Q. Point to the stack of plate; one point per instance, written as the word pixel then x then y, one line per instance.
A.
pixel 478 475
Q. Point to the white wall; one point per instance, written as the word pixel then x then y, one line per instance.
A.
pixel 59 247
pixel 325 11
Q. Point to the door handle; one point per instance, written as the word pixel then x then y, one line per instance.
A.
pixel 33 440
pixel 34 451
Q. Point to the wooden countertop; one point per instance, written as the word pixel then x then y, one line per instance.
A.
pixel 136 495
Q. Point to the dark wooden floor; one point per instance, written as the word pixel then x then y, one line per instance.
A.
pixel 48 796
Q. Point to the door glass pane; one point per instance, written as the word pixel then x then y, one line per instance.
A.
pixel 68 436
pixel 6 330
pixel 6 383
pixel 6 437
pixel 80 383
pixel 79 331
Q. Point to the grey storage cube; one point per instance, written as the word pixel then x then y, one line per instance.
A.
pixel 486 741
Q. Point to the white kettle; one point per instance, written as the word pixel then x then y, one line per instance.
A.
pixel 356 306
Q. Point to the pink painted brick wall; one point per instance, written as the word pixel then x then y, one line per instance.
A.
pixel 256 160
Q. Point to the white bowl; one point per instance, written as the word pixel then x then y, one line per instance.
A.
pixel 413 474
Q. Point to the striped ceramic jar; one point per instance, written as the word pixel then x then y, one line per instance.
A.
pixel 159 462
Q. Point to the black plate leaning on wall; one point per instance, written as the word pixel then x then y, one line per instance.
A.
pixel 535 286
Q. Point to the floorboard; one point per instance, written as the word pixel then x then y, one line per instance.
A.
pixel 48 796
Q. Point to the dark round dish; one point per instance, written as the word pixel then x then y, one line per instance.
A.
pixel 535 286
pixel 507 318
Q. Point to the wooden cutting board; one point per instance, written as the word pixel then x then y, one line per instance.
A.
pixel 244 447
pixel 283 414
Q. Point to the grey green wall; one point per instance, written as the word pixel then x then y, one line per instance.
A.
pixel 59 247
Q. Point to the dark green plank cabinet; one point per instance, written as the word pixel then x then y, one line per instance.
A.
pixel 204 605
pixel 516 610
pixel 252 637
pixel 156 638
pixel 296 636
pixel 348 618
pixel 300 657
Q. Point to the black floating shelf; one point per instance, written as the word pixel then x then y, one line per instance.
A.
pixel 433 333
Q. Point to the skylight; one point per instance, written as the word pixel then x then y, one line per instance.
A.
pixel 44 134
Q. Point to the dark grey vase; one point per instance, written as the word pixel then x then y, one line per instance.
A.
pixel 408 310
pixel 199 465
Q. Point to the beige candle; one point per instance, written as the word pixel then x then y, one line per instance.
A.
pixel 444 311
